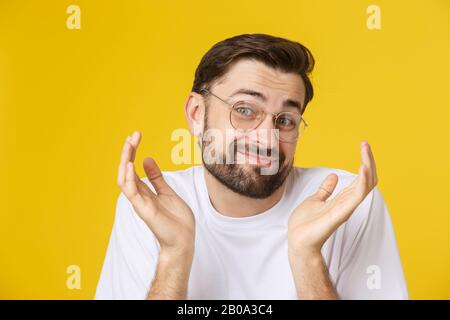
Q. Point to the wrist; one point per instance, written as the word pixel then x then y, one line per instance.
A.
pixel 172 276
pixel 305 253
pixel 176 257
pixel 176 267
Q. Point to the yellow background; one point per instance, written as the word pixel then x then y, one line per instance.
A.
pixel 68 99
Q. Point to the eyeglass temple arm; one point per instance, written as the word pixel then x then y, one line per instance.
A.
pixel 209 92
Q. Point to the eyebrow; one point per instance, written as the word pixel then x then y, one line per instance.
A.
pixel 286 103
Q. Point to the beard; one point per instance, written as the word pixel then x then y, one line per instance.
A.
pixel 246 179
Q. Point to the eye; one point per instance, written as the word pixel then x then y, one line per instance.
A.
pixel 286 122
pixel 245 111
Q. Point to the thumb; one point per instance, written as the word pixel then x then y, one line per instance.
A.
pixel 327 187
pixel 155 177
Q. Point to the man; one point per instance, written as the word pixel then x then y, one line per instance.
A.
pixel 247 224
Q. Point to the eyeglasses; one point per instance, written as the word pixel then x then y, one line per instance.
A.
pixel 248 116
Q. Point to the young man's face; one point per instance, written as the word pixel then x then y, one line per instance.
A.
pixel 260 161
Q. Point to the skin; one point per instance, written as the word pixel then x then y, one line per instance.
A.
pixel 310 224
pixel 167 216
pixel 277 86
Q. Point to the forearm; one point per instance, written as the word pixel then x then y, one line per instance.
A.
pixel 311 277
pixel 172 277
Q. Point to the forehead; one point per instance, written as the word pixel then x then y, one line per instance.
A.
pixel 253 74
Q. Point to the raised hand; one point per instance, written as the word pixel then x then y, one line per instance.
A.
pixel 164 212
pixel 315 219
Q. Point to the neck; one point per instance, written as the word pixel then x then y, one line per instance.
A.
pixel 232 204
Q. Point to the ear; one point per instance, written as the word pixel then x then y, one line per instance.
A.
pixel 194 110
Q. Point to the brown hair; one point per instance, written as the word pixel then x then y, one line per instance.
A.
pixel 278 53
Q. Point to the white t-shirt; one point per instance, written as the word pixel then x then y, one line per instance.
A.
pixel 247 258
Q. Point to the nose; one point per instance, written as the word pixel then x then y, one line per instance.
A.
pixel 266 133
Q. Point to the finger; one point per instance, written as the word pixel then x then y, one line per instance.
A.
pixel 124 158
pixel 155 177
pixel 363 183
pixel 367 161
pixel 374 166
pixel 134 141
pixel 142 187
pixel 130 188
pixel 327 187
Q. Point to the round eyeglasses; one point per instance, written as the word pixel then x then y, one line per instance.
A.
pixel 247 116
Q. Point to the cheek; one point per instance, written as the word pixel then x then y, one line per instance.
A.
pixel 218 118
pixel 216 126
pixel 288 150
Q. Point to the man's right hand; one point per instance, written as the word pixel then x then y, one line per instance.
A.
pixel 165 213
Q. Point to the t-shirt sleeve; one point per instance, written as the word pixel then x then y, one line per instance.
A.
pixel 131 258
pixel 370 267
